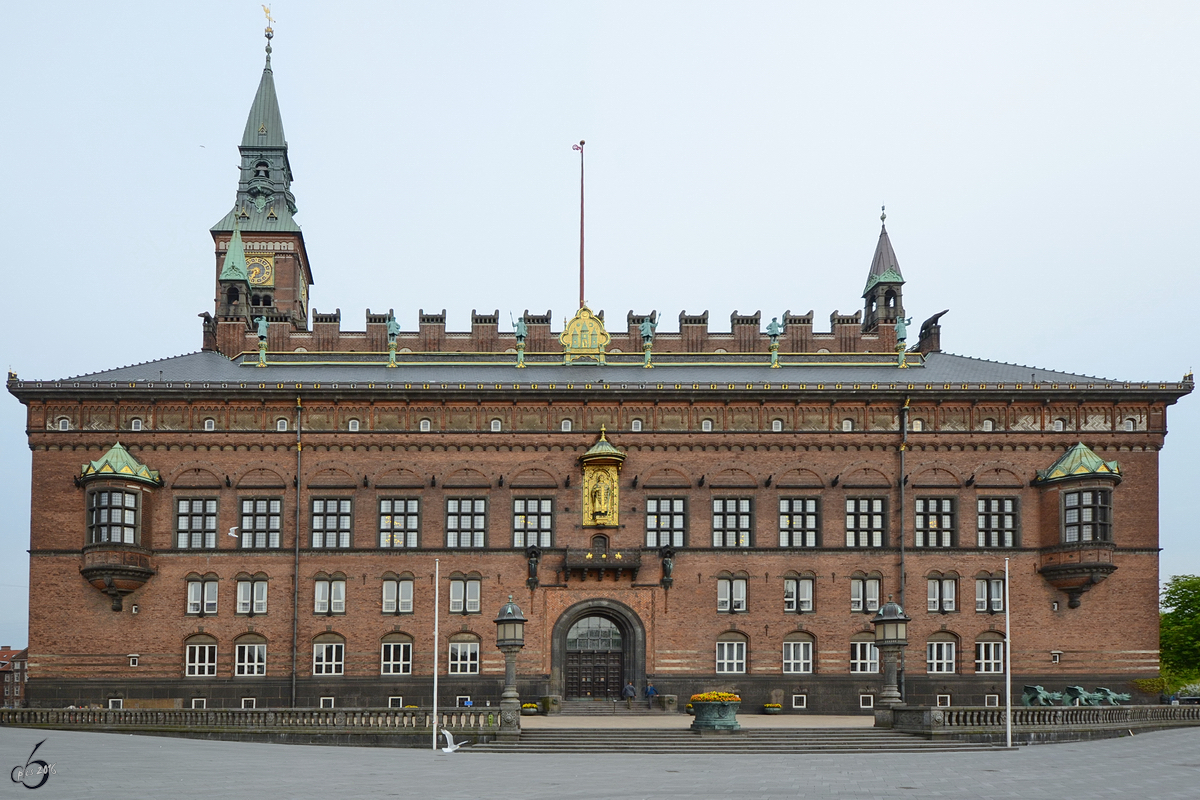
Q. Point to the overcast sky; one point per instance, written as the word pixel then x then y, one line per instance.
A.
pixel 1038 162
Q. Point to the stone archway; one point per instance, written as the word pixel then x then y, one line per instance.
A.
pixel 627 622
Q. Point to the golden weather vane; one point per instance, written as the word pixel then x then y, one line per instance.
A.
pixel 270 19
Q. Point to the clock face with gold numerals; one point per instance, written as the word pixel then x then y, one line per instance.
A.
pixel 261 269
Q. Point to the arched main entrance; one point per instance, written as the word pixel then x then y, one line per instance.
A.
pixel 597 646
pixel 595 667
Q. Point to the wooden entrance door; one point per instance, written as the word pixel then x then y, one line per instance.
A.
pixel 598 676
pixel 595 667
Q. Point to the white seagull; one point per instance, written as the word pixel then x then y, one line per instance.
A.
pixel 450 745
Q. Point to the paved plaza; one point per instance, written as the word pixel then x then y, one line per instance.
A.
pixel 1151 766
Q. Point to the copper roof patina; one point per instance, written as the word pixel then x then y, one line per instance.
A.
pixel 118 463
pixel 1078 462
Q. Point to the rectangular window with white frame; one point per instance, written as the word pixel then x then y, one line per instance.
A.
pixel 798 595
pixel 989 595
pixel 261 520
pixel 996 525
pixel 665 521
pixel 464 658
pixel 941 594
pixel 329 658
pixel 250 659
pixel 329 596
pixel 989 657
pixel 934 521
pixel 797 657
pixel 799 522
pixel 864 594
pixel 331 522
pixel 731 657
pixel 865 521
pixel 533 522
pixel 397 596
pixel 799 701
pixel 732 522
pixel 464 595
pixel 201 660
pixel 252 597
pixel 202 597
pixel 466 522
pixel 399 521
pixel 731 595
pixel 939 657
pixel 249 702
pixel 864 657
pixel 196 523
pixel 396 658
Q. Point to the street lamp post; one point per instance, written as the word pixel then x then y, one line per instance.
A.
pixel 510 638
pixel 891 637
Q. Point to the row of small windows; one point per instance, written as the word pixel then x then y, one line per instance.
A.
pixel 566 425
pixel 113 516
pixel 329 594
pixel 396 655
pixel 865 594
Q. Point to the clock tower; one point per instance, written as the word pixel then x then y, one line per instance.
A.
pixel 261 230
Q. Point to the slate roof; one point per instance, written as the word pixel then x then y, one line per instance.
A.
pixel 938 368
pixel 884 266
pixel 264 126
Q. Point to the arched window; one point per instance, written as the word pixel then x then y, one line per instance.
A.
pixel 941 653
pixel 329 594
pixel 210 424
pixel 250 655
pixel 798 651
pixel 425 426
pixel 464 654
pixel 396 655
pixel 252 594
pixel 397 593
pixel 776 425
pixel 989 654
pixel 1131 424
pixel 989 592
pixel 200 656
pixel 865 591
pixel 635 425
pixel 889 299
pixel 233 296
pixel 329 654
pixel 798 593
pixel 262 170
pixel 942 592
pixel 1060 425
pixel 918 425
pixel 989 425
pixel 566 425
pixel 135 424
pixel 706 425
pixel 496 425
pixel 847 425
pixel 731 592
pixel 864 655
pixel 352 425
pixel 64 424
pixel 731 653
pixel 281 424
pixel 464 593
pixel 202 594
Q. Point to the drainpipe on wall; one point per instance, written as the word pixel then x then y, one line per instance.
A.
pixel 296 561
pixel 900 514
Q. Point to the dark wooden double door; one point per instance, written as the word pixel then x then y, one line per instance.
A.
pixel 595 675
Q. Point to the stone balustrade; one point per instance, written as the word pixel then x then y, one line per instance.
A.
pixel 348 725
pixel 1035 723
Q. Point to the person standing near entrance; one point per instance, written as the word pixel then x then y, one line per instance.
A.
pixel 629 692
pixel 651 693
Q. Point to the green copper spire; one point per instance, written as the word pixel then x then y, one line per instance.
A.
pixel 884 267
pixel 234 268
pixel 265 202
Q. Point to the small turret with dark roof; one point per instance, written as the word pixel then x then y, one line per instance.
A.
pixel 883 293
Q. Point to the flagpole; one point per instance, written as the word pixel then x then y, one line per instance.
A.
pixel 1007 663
pixel 579 147
pixel 437 613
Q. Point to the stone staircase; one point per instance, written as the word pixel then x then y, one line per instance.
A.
pixel 607 708
pixel 766 741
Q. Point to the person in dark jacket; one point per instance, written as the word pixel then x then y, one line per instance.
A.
pixel 629 692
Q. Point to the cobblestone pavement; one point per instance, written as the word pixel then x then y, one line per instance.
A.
pixel 1150 766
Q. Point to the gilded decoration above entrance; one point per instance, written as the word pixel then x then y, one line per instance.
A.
pixel 584 337
pixel 601 488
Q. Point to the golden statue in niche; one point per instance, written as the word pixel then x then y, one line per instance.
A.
pixel 600 486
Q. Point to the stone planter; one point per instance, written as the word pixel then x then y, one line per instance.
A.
pixel 528 712
pixel 772 710
pixel 720 716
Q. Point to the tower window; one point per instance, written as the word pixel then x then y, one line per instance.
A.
pixel 233 296
pixel 262 170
